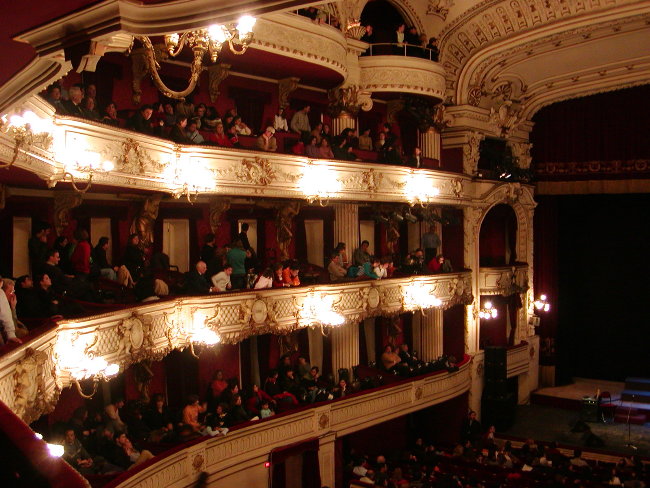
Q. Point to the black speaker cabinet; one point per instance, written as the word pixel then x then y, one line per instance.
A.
pixel 495 387
pixel 496 363
pixel 498 410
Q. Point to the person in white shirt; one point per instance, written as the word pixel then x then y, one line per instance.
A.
pixel 7 321
pixel 193 133
pixel 221 281
pixel 382 270
pixel 280 122
pixel 265 280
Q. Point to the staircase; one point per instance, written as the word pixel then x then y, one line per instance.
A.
pixel 635 402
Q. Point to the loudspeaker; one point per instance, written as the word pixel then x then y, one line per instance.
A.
pixel 496 362
pixel 498 411
pixel 495 387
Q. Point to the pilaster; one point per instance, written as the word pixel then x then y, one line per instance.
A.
pixel 345 347
pixel 471 221
pixel 346 226
pixel 326 459
pixel 430 143
pixel 430 334
pixel 342 122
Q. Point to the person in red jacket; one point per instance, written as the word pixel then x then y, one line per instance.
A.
pixel 80 259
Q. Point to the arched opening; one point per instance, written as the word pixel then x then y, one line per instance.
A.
pixel 384 17
pixel 498 237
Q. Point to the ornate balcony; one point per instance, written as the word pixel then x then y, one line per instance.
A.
pixel 32 376
pixel 140 162
pixel 249 446
pixel 402 74
pixel 503 280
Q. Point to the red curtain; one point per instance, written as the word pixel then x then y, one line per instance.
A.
pixel 498 233
pixel 310 467
pixel 601 127
pixel 453 332
pixel 547 269
pixel 453 239
pixel 494 331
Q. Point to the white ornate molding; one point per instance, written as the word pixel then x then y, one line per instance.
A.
pixel 244 447
pixel 518 359
pixel 503 280
pixel 151 331
pixel 153 164
pixel 402 74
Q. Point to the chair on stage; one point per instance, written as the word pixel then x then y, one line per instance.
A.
pixel 607 408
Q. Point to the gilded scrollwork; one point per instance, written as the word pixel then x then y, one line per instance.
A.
pixel 31 399
pixel 63 203
pixel 369 181
pixel 145 219
pixel 129 157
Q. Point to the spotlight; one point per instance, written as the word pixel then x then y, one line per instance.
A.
pixel 410 217
pixel 397 217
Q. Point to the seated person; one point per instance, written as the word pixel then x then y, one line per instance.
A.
pixel 89 107
pixel 193 133
pixel 46 302
pixel 196 282
pixel 221 281
pixel 335 270
pixel 238 413
pixel 382 270
pixel 141 121
pixel 367 269
pixel 267 141
pixel 76 455
pixel 325 150
pixel 191 412
pixel 440 265
pixel 129 456
pixel 298 148
pixel 218 421
pixel 110 115
pixel 240 128
pixel 233 136
pixel 274 389
pixel 290 274
pixel 389 359
pixel 264 280
pixel 414 262
pixel 278 276
pixel 219 137
pixel 341 149
pixel 256 399
pixel 312 150
pixel 365 141
pixel 178 133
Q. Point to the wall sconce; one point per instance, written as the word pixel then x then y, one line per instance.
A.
pixel 320 310
pixel 203 41
pixel 74 355
pixel 419 190
pixel 83 163
pixel 488 311
pixel 319 182
pixel 419 296
pixel 200 333
pixel 189 177
pixel 27 129
pixel 541 304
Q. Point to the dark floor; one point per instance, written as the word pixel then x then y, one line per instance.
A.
pixel 554 424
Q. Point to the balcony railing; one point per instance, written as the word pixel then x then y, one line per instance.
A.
pixel 245 446
pixel 518 360
pixel 32 375
pixel 144 162
pixel 503 280
pixel 403 49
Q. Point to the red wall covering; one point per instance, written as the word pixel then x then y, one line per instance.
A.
pixel 453 332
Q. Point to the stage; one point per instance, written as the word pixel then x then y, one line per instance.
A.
pixel 554 412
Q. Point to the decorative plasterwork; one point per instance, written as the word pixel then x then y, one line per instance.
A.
pixel 143 162
pixel 503 280
pixel 286 86
pixel 471 152
pixel 439 8
pixel 521 153
pixel 484 53
pixel 149 332
pixel 297 37
pixel 586 169
pixel 63 203
pixel 245 447
pixel 402 74
pixel 216 74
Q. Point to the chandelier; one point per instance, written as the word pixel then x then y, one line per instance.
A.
pixel 207 40
pixel 488 311
pixel 541 304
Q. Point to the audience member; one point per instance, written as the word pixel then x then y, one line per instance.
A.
pixel 221 281
pixel 290 274
pixel 264 280
pixel 196 282
pixel 335 270
pixel 193 134
pixel 110 115
pixel 300 122
pixel 415 160
pixel 324 150
pixel 280 122
pixel 365 141
pixel 267 141
pixel 73 106
pixel 219 136
pixel 240 127
pixel 440 265
pixel 361 254
pixel 141 121
pixel 430 243
pixel 237 259
pixel 312 150
pixel 178 133
pixel 134 257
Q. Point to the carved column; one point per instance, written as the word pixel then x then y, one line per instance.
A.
pixel 285 87
pixel 216 74
pixel 430 143
pixel 284 224
pixel 346 226
pixel 326 453
pixel 345 348
pixel 471 152
pixel 139 70
pixel 471 226
pixel 342 122
pixel 63 203
pixel 430 334
pixel 218 206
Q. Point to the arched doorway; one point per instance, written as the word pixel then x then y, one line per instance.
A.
pixel 498 237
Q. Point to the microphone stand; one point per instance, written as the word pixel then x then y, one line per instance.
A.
pixel 629 411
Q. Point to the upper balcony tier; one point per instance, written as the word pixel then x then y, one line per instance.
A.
pixel 401 71
pixel 150 331
pixel 67 150
pixel 503 280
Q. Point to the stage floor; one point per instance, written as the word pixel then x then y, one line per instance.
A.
pixel 554 424
pixel 582 387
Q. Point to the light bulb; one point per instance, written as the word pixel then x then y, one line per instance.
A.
pixel 112 370
pixel 488 305
pixel 217 33
pixel 245 24
pixel 108 165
